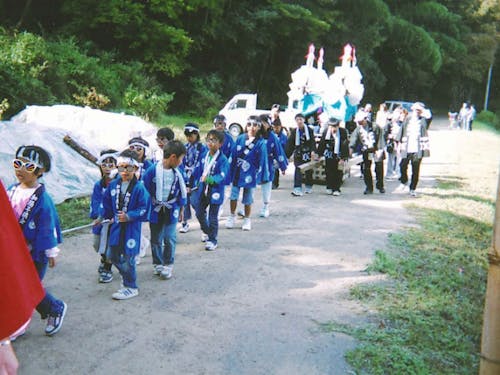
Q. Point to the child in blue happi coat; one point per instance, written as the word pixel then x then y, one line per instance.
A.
pixel 282 137
pixel 39 222
pixel 195 152
pixel 140 146
pixel 165 183
pixel 107 163
pixel 211 175
pixel 228 144
pixel 276 160
pixel 249 167
pixel 127 203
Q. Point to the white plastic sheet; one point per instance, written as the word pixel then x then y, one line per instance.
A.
pixel 95 130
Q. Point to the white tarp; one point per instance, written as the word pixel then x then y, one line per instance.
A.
pixel 95 130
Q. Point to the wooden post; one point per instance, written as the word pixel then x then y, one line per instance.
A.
pixel 490 342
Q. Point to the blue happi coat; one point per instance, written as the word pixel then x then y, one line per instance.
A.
pixel 96 204
pixel 227 146
pixel 137 210
pixel 249 165
pixel 195 152
pixel 218 176
pixel 282 138
pixel 176 199
pixel 275 154
pixel 42 230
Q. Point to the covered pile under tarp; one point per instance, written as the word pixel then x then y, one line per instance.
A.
pixel 46 126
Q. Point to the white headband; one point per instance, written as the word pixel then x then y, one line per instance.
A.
pixel 103 157
pixel 126 160
pixel 139 144
pixel 191 129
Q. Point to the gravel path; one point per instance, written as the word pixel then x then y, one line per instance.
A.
pixel 250 307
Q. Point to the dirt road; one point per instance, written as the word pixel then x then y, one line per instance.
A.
pixel 250 307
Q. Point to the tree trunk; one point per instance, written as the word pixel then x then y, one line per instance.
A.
pixel 490 343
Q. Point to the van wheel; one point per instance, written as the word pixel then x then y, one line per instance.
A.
pixel 235 130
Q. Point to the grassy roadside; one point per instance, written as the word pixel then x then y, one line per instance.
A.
pixel 429 309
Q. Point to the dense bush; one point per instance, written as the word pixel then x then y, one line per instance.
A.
pixel 489 118
pixel 206 99
pixel 44 72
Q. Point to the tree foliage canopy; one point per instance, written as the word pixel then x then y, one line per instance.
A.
pixel 438 51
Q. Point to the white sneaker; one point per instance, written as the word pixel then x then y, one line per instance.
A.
pixel 210 246
pixel 413 193
pixel 166 272
pixel 402 187
pixel 241 212
pixel 230 221
pixel 264 212
pixel 184 228
pixel 247 224
pixel 137 260
pixel 297 192
pixel 336 193
pixel 204 237
pixel 329 191
pixel 125 293
pixel 308 190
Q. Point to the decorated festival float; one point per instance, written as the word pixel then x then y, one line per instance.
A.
pixel 320 97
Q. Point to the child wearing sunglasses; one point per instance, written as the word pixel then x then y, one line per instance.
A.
pixel 126 203
pixel 140 146
pixel 107 163
pixel 165 183
pixel 39 222
pixel 211 175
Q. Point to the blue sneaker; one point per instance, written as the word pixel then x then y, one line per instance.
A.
pixel 55 322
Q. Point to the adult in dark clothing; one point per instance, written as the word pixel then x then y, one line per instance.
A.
pixel 372 143
pixel 334 146
pixel 302 146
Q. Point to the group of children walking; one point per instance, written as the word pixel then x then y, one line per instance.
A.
pixel 162 191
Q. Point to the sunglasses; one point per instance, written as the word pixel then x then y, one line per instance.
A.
pixel 253 124
pixel 136 148
pixel 28 166
pixel 128 168
pixel 108 165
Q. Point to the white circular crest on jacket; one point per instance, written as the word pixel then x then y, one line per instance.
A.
pixel 238 147
pixel 245 166
pixel 113 192
pixel 142 212
pixel 281 158
pixel 31 225
pixel 131 243
pixel 176 213
pixel 248 179
pixel 215 196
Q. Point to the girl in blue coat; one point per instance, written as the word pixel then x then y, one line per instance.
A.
pixel 211 174
pixel 276 159
pixel 107 162
pixel 195 152
pixel 39 222
pixel 249 167
pixel 282 136
pixel 126 202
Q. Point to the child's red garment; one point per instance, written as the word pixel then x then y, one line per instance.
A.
pixel 20 287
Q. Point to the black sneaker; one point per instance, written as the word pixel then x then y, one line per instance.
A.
pixel 382 191
pixel 54 323
pixel 368 191
pixel 106 277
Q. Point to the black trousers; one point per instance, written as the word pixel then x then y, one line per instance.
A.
pixel 333 175
pixel 415 169
pixel 379 174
